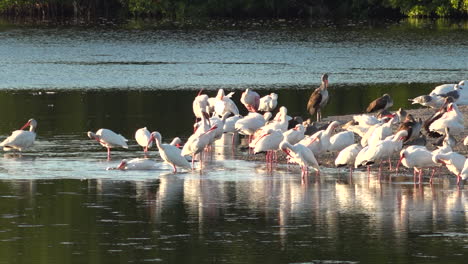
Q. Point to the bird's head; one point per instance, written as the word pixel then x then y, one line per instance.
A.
pixel 122 165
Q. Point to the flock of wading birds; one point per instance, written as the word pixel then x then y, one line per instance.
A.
pixel 303 141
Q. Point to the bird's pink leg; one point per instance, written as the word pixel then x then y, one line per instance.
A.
pixel 108 154
pixel 174 169
pixel 414 175
pixel 420 176
pixel 432 175
pixel 458 179
pixel 390 164
pixel 193 161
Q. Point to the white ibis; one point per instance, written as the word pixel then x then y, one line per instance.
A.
pixel 418 158
pixel 280 122
pixel 347 156
pixel 142 137
pixel 452 119
pixel 320 141
pixel 169 153
pixel 223 104
pixel 268 102
pixel 294 135
pixel 21 139
pixel 384 150
pixel 464 173
pixel 251 100
pixel 365 120
pixel 341 140
pixel 176 142
pixel 379 133
pixel 445 88
pixel 136 164
pixel 251 123
pixel 352 126
pixel 268 142
pixel 454 162
pixel 197 142
pixel 381 103
pixel 434 117
pixel 319 98
pixel 200 106
pixel 301 155
pixel 108 139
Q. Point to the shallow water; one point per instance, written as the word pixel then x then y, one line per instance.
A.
pixel 59 204
pixel 65 207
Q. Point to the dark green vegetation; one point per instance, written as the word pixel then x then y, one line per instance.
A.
pixel 196 9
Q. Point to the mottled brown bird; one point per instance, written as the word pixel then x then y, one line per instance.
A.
pixel 382 103
pixel 318 98
pixel 411 126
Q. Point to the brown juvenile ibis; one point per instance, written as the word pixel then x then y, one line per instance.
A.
pixel 381 103
pixel 318 98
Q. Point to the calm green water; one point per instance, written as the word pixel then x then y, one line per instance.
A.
pixel 59 204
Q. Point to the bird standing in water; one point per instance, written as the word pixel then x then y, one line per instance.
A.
pixel 21 139
pixel 319 98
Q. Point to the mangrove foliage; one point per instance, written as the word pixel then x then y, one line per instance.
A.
pixel 190 9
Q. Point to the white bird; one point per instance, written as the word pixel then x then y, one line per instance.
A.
pixel 361 157
pixel 201 106
pixel 268 142
pixel 347 156
pixel 418 158
pixel 465 141
pixel 445 88
pixel 268 102
pixel 295 134
pixel 280 122
pixel 223 104
pixel 251 123
pixel 176 142
pixel 230 124
pixel 341 140
pixel 108 139
pixel 452 119
pixel 320 141
pixel 366 120
pixel 380 132
pixel 197 142
pixel 169 153
pixel 137 164
pixel 301 155
pixel 464 173
pixel 21 139
pixel 142 137
pixel 355 128
pixel 454 162
pixel 384 150
pixel 251 100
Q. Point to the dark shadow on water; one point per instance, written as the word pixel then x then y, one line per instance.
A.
pixel 63 112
